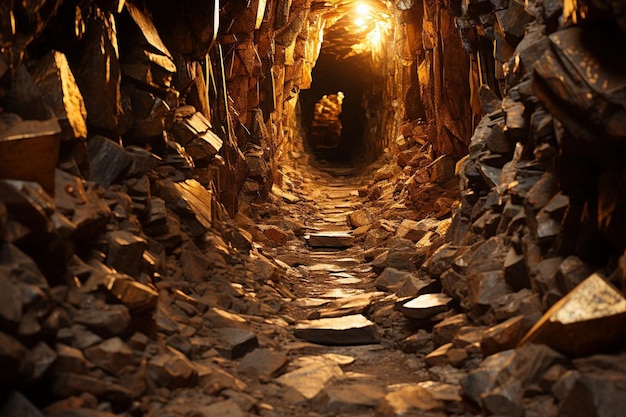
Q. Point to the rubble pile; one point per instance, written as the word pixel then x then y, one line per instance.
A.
pixel 529 268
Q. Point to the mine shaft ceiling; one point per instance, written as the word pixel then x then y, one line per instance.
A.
pixel 354 27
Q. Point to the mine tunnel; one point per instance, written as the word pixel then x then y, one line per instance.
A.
pixel 288 208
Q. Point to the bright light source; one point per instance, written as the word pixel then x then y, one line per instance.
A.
pixel 363 9
pixel 361 22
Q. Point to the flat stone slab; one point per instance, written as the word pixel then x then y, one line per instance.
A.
pixel 351 398
pixel 425 306
pixel 350 330
pixel 310 379
pixel 331 239
pixel 263 363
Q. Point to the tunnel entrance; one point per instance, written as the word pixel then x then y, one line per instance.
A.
pixel 332 75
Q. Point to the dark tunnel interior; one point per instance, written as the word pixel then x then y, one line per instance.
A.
pixel 353 77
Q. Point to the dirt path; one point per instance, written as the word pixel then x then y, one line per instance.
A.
pixel 337 371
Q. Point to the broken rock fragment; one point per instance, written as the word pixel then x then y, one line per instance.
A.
pixel 425 306
pixel 348 330
pixel 263 363
pixel 589 319
pixel 331 239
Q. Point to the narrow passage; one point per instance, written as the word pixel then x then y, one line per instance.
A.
pixel 352 353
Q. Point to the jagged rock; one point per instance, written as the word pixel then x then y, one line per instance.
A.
pixel 41 357
pixel 263 364
pixel 108 319
pixel 515 272
pixel 391 279
pixel 446 355
pixel 425 306
pixel 416 342
pixel 360 218
pixel 106 389
pixel 412 398
pixel 330 239
pixel 415 230
pixel 171 370
pixel 348 330
pixel 133 294
pixel 112 355
pixel 514 18
pixel 98 72
pixel 349 398
pixel 414 286
pixel 125 251
pixel 235 342
pixel 311 378
pixel 444 331
pixel 55 80
pixel 503 336
pixel 577 323
pixel 146 59
pixel 222 318
pixel 107 160
pixel 70 359
pixel 228 408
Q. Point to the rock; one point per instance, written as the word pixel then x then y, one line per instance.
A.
pixel 505 399
pixel 446 355
pixel 107 160
pixel 41 357
pixel 221 318
pixel 98 72
pixel 171 370
pixel 415 230
pixel 515 272
pixel 228 408
pixel 485 287
pixel 125 251
pixel 425 306
pixel 391 279
pixel 444 331
pixel 310 379
pixel 416 342
pixel 133 294
pixel 196 204
pixel 360 218
pixel 234 342
pixel 276 235
pixel 350 398
pixel 577 324
pixel 105 389
pixel 503 336
pixel 414 287
pixel 55 80
pixel 111 320
pixel 263 364
pixel 483 378
pixel 112 355
pixel 331 239
pixel 408 399
pixel 348 330
pixel 70 359
pixel 572 272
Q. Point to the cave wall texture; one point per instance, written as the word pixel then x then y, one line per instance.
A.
pixel 179 113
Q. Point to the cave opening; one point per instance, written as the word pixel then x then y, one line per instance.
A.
pixel 352 78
